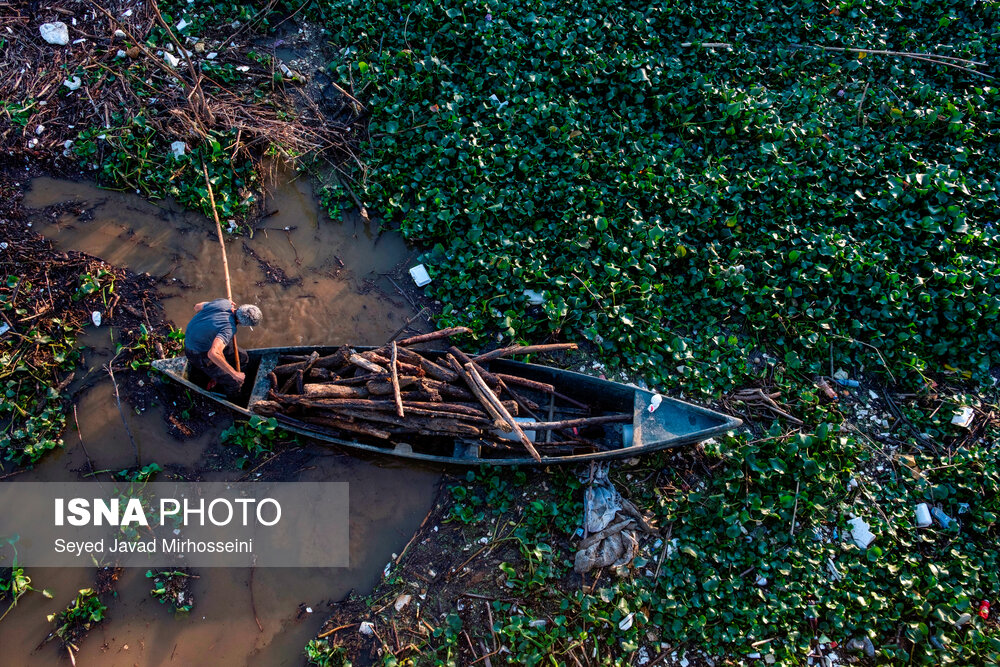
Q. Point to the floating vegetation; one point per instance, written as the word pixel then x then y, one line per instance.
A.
pixel 685 183
pixel 173 588
pixel 74 622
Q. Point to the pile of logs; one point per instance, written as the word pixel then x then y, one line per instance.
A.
pixel 395 391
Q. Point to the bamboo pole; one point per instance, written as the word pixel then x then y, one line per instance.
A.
pixel 470 368
pixel 394 376
pixel 225 261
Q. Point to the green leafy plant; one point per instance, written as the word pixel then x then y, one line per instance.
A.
pixel 171 588
pixel 131 154
pixel 142 475
pixel 681 204
pixel 256 436
pixel 319 652
pixel 102 282
pixel 18 113
pixel 77 619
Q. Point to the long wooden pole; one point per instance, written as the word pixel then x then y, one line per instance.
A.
pixel 225 262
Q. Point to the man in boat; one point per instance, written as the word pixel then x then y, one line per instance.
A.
pixel 208 343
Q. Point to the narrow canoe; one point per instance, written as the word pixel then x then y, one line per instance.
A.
pixel 672 424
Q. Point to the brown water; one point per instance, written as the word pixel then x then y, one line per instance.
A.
pixel 341 295
pixel 336 295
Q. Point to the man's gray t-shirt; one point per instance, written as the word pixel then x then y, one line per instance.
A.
pixel 215 319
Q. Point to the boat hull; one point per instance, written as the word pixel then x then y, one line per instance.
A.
pixel 674 423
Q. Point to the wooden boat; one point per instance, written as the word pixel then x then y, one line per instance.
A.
pixel 672 424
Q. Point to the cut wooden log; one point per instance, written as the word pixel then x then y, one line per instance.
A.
pixel 318 375
pixel 522 349
pixel 499 421
pixel 377 415
pixel 363 363
pixel 431 391
pixel 377 357
pixel 470 368
pixel 385 387
pixel 341 424
pixel 526 404
pixel 267 408
pixel 510 405
pixel 491 380
pixel 447 390
pixel 574 423
pixel 455 408
pixel 432 369
pixel 394 377
pixel 345 425
pixel 525 382
pixel 294 381
pixel 421 396
pixel 338 358
pixel 414 422
pixel 542 387
pixel 334 391
pixel 360 379
pixel 434 335
pixel 310 362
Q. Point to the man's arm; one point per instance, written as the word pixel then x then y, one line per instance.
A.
pixel 202 304
pixel 217 355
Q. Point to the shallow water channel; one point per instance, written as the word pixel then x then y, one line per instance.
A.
pixel 317 281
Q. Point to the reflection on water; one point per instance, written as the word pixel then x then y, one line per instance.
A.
pixel 333 293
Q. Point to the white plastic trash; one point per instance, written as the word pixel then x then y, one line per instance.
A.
pixel 654 402
pixel 420 275
pixel 96 318
pixel 534 298
pixel 861 532
pixel 923 515
pixel 963 417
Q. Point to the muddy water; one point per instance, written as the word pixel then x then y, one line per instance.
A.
pixel 333 291
pixel 338 295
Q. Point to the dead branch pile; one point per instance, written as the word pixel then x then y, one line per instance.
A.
pixel 52 92
pixel 759 402
pixel 397 391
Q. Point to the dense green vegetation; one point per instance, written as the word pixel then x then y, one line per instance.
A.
pixel 734 574
pixel 73 622
pixel 688 185
pixel 135 155
pixel 679 204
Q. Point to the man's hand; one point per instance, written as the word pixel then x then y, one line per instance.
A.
pixel 218 357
